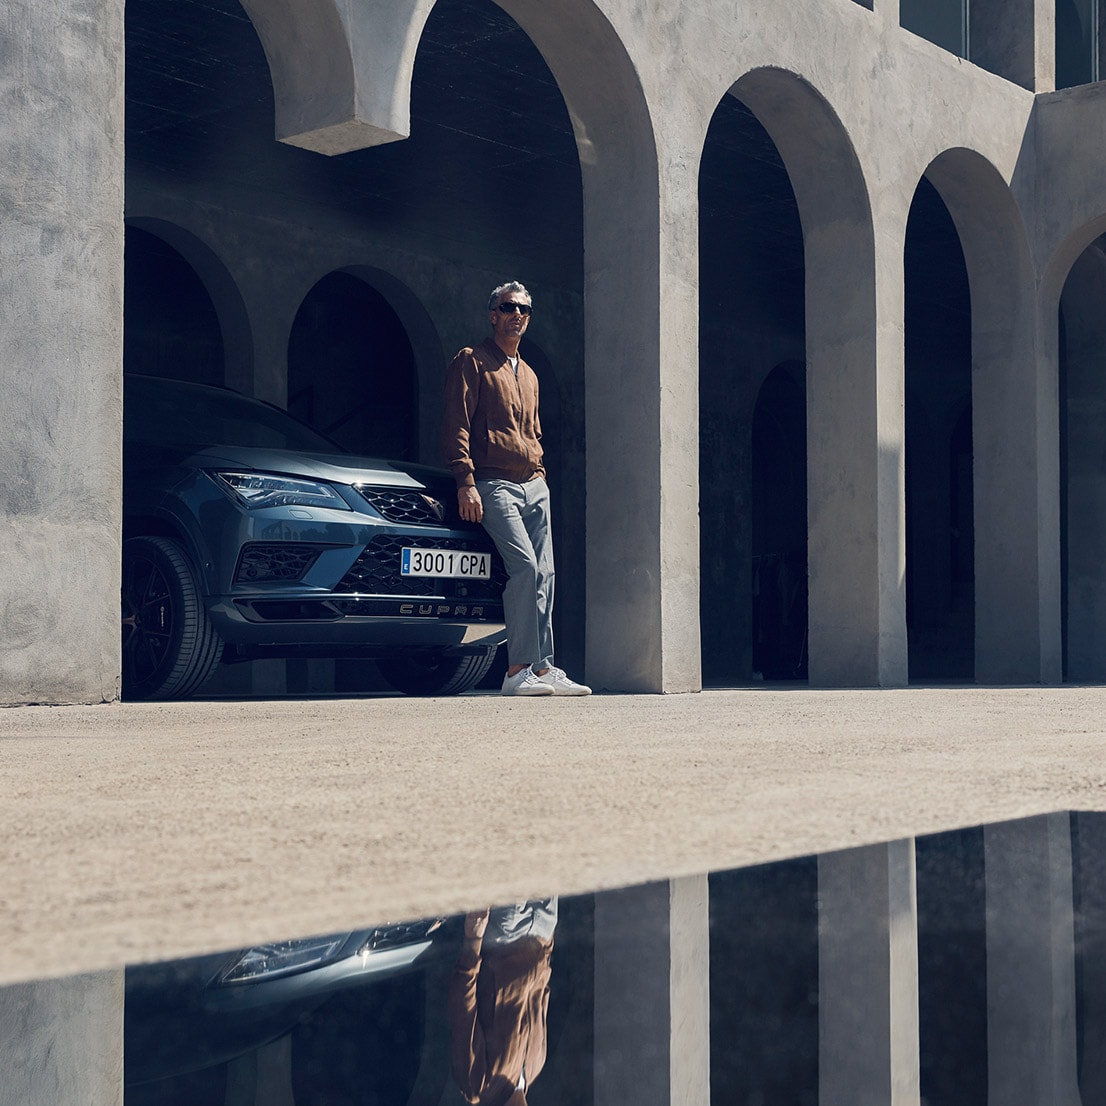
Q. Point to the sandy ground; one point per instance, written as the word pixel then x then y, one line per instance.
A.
pixel 143 831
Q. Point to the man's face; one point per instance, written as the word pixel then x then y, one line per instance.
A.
pixel 510 325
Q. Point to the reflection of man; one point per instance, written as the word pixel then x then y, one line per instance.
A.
pixel 491 437
pixel 499 1000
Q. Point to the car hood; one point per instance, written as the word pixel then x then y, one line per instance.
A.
pixel 337 468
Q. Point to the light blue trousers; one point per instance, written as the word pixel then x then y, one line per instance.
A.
pixel 516 516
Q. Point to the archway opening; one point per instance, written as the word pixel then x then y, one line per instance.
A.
pixel 351 369
pixel 486 188
pixel 1083 466
pixel 751 321
pixel 170 325
pixel 940 591
pixel 779 525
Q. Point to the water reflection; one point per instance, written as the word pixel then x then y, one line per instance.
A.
pixel 956 969
pixel 499 1002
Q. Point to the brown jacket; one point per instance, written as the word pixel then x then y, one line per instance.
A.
pixel 490 425
pixel 498 1005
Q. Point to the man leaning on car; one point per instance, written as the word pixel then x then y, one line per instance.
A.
pixel 491 438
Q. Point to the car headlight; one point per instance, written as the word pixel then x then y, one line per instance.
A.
pixel 263 489
pixel 283 958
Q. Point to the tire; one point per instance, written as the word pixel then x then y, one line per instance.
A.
pixel 170 647
pixel 430 673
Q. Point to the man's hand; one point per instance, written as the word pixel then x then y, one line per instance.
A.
pixel 476 925
pixel 470 504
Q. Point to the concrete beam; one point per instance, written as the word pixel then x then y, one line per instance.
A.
pixel 341 72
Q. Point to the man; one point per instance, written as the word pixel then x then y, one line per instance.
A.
pixel 491 438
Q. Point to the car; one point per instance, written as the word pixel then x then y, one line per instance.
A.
pixel 249 535
pixel 193 1014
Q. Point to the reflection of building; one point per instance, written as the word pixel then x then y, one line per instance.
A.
pixel 822 189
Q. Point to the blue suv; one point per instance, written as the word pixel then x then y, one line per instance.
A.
pixel 249 535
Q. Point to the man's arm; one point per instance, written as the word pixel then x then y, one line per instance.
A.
pixel 462 392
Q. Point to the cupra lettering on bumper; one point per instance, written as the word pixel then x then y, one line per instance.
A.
pixel 437 610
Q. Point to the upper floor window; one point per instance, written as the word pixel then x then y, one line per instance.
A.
pixel 1077 42
pixel 943 22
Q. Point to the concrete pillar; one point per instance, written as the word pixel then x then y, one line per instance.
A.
pixel 868 977
pixel 61 1042
pixel 1085 392
pixel 1015 39
pixel 652 999
pixel 61 348
pixel 1031 1055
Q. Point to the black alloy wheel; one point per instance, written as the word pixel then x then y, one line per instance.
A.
pixel 169 645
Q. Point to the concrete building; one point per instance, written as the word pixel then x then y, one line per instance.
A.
pixel 817 283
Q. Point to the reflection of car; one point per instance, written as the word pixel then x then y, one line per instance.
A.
pixel 184 1015
pixel 249 535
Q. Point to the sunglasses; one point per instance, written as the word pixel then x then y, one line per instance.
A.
pixel 511 308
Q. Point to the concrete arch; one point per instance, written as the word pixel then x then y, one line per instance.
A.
pixel 234 319
pixel 1083 404
pixel 642 580
pixel 342 75
pixel 1015 431
pixel 1058 267
pixel 857 623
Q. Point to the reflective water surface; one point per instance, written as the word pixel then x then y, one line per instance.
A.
pixel 965 967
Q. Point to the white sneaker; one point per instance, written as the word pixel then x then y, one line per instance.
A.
pixel 561 684
pixel 525 683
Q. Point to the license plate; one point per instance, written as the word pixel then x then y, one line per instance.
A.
pixel 451 563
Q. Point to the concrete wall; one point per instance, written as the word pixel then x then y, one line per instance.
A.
pixel 61 268
pixel 858 110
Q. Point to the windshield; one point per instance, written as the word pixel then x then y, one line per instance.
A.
pixel 176 413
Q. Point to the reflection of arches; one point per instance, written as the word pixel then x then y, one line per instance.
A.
pixel 351 371
pixel 1017 599
pixel 159 289
pixel 778 507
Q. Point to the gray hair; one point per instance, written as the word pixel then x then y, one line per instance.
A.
pixel 503 289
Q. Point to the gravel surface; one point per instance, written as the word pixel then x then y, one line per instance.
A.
pixel 147 831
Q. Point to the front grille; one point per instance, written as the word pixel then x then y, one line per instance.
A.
pixel 376 571
pixel 286 561
pixel 405 506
